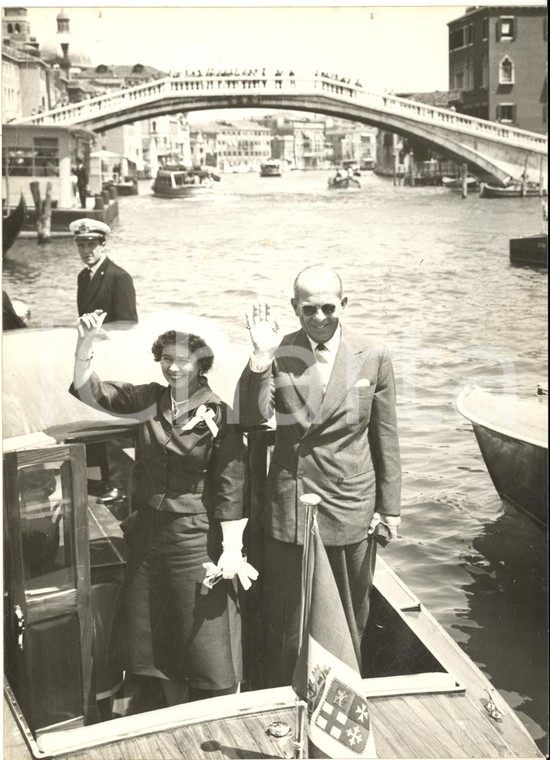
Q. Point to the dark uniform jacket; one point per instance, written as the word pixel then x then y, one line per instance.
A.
pixel 111 289
pixel 342 446
pixel 188 472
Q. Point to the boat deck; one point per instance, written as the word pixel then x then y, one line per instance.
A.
pixel 433 714
pixel 419 726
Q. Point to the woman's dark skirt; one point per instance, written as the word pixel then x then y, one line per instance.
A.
pixel 173 627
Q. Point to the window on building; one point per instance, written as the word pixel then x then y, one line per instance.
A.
pixel 470 34
pixel 456 38
pixel 46 156
pixel 485 29
pixel 10 28
pixel 506 28
pixel 506 113
pixel 459 80
pixel 506 71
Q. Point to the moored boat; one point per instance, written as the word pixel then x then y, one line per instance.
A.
pixel 271 168
pixel 455 183
pixel 184 183
pixel 426 697
pixel 512 434
pixel 12 224
pixel 530 249
pixel 514 190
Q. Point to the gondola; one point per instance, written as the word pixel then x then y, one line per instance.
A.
pixel 12 224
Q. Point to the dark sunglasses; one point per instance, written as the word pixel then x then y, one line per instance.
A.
pixel 326 308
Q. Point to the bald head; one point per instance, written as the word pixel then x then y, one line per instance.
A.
pixel 318 302
pixel 318 278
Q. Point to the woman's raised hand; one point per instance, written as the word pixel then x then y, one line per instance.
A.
pixel 264 330
pixel 88 325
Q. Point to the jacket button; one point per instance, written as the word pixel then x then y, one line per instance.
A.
pixel 340 480
pixel 300 474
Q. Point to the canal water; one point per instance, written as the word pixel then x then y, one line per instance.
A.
pixel 426 272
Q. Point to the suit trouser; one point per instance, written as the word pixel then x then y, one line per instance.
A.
pixel 353 568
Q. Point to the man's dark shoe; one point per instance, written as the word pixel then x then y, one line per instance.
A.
pixel 113 494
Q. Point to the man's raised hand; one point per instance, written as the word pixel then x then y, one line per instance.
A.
pixel 264 330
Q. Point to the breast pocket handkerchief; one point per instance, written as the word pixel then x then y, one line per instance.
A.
pixel 363 382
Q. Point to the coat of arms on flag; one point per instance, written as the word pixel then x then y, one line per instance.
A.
pixel 327 673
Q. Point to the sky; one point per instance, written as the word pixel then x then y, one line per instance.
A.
pixel 399 48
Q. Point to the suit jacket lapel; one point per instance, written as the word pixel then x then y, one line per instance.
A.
pixel 94 284
pixel 346 370
pixel 298 364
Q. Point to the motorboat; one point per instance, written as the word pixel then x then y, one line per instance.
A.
pixel 512 434
pixel 531 250
pixel 513 190
pixel 184 183
pixel 271 168
pixel 61 587
pixel 455 183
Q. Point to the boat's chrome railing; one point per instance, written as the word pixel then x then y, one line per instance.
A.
pixel 285 85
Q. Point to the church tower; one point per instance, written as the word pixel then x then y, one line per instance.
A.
pixel 15 26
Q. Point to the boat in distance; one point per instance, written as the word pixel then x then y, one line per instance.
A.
pixel 430 701
pixel 271 168
pixel 530 249
pixel 184 183
pixel 512 434
pixel 343 181
pixel 514 190
pixel 455 183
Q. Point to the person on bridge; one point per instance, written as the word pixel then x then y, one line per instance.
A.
pixel 333 396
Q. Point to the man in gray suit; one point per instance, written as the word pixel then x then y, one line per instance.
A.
pixel 333 396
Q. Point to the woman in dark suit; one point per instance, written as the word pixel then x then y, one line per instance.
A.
pixel 182 641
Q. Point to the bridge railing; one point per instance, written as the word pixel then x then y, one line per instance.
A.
pixel 294 87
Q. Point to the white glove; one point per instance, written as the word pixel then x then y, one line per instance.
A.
pixel 231 562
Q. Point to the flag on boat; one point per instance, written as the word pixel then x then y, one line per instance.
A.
pixel 327 675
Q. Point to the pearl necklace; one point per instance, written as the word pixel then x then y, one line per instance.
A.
pixel 176 406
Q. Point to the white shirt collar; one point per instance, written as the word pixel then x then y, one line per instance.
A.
pixel 331 344
pixel 96 266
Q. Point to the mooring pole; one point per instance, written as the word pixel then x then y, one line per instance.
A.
pixel 464 177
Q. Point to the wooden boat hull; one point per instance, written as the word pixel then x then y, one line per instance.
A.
pixel 515 191
pixel 530 249
pixel 438 713
pixel 512 436
pixel 183 192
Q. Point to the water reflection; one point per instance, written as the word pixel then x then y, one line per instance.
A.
pixel 506 614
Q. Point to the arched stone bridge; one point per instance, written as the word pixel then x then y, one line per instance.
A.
pixel 488 148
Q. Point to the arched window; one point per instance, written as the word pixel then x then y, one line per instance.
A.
pixel 10 28
pixel 506 71
pixel 17 28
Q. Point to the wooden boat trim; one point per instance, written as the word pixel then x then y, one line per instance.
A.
pixel 473 686
pixel 476 420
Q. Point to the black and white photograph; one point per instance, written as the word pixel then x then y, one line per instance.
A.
pixel 275 381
